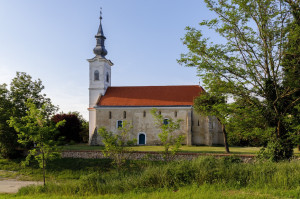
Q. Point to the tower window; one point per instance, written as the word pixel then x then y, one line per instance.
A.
pixel 109 115
pixel 144 114
pixel 107 77
pixel 124 114
pixel 96 75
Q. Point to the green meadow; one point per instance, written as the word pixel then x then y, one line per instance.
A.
pixel 204 177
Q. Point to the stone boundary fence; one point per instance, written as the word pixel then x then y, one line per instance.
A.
pixel 146 155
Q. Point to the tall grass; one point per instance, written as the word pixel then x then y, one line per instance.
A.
pixel 147 177
pixel 192 192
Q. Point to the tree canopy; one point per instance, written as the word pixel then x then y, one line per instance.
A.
pixel 13 104
pixel 248 65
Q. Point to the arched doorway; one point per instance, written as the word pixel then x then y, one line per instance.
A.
pixel 142 139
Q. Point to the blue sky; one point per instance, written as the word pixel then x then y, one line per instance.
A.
pixel 51 40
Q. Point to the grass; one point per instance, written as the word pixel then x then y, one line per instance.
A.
pixel 205 177
pixel 192 192
pixel 185 149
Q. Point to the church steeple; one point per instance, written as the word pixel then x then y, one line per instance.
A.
pixel 100 50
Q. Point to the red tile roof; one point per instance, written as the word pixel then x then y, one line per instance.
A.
pixel 150 96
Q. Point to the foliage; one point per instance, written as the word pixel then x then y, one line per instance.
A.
pixel 115 143
pixel 248 64
pixel 169 140
pixel 246 126
pixel 8 137
pixel 291 63
pixel 72 128
pixel 13 104
pixel 35 127
pixel 22 88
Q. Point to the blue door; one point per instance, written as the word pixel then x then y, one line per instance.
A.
pixel 142 139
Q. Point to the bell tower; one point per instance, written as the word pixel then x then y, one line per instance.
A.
pixel 99 77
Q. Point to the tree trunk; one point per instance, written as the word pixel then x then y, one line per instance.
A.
pixel 44 172
pixel 225 136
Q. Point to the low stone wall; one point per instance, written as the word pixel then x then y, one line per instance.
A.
pixel 148 155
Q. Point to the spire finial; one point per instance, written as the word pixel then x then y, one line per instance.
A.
pixel 100 50
pixel 100 13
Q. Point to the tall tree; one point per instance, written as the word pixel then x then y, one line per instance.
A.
pixel 8 137
pixel 22 88
pixel 13 104
pixel 291 67
pixel 248 64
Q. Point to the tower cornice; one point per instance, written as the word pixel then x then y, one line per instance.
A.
pixel 100 59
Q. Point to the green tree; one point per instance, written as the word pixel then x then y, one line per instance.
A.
pixel 116 144
pixel 291 66
pixel 22 88
pixel 246 126
pixel 248 65
pixel 8 136
pixel 13 104
pixel 35 127
pixel 167 136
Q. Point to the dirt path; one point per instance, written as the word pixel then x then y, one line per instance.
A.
pixel 12 185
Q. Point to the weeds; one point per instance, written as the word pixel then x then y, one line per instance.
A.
pixel 147 176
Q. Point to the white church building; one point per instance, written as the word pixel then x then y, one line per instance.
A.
pixel 109 106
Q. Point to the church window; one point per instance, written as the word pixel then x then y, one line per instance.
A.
pixel 107 77
pixel 166 121
pixel 124 114
pixel 141 139
pixel 109 115
pixel 96 75
pixel 175 113
pixel 144 114
pixel 119 124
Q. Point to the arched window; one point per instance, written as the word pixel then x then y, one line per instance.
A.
pixel 175 113
pixel 141 139
pixel 109 115
pixel 198 123
pixel 144 114
pixel 124 114
pixel 166 121
pixel 96 75
pixel 159 112
pixel 107 77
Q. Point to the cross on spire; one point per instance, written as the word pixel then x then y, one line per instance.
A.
pixel 100 13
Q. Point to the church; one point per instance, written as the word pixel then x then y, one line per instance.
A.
pixel 109 106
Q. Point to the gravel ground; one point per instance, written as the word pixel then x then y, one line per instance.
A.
pixel 13 185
